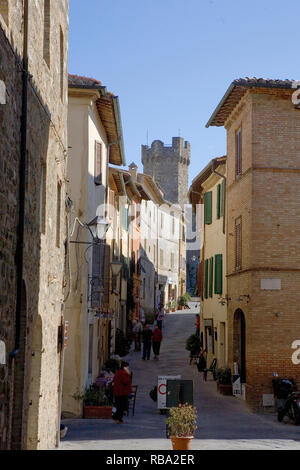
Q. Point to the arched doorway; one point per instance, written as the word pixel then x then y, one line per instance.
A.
pixel 239 343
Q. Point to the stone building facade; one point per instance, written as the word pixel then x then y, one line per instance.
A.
pixel 168 165
pixel 33 148
pixel 263 228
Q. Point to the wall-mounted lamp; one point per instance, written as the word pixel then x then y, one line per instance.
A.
pixel 116 267
pixel 97 228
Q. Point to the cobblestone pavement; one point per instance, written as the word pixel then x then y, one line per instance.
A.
pixel 223 422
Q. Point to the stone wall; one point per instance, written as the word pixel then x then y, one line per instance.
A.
pixel 169 167
pixel 29 398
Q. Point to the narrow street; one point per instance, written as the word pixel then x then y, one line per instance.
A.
pixel 223 422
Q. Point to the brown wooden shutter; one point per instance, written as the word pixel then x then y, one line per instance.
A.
pixel 238 244
pixel 238 152
pixel 98 163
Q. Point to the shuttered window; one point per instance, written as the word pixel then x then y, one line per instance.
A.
pixel 125 224
pixel 238 152
pixel 238 244
pixel 218 274
pixel 211 276
pixel 98 163
pixel 206 279
pixel 208 207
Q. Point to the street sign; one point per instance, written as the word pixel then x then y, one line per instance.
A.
pixel 162 389
pixel 236 385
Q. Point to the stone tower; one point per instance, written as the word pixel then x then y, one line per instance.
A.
pixel 168 164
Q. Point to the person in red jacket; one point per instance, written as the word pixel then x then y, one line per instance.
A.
pixel 156 341
pixel 122 388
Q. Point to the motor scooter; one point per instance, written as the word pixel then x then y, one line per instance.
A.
pixel 291 408
pixel 289 398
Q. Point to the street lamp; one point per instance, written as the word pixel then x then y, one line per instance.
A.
pixel 116 267
pixel 98 227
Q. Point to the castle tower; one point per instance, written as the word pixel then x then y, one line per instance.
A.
pixel 168 165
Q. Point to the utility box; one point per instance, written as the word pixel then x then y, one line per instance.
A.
pixel 179 391
pixel 162 390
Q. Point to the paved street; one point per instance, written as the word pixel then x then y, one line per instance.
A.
pixel 223 422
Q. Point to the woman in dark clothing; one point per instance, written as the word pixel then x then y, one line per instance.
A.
pixel 147 336
pixel 122 388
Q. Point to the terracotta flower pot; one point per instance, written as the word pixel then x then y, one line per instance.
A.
pixel 181 443
pixel 97 412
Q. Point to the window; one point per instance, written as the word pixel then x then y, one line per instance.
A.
pixel 238 152
pixel 208 208
pixel 43 181
pixel 62 65
pixel 98 163
pixel 161 257
pixel 218 274
pixel 4 10
pixel 172 260
pixel 46 44
pixel 238 244
pixel 111 202
pixel 173 223
pixel 58 214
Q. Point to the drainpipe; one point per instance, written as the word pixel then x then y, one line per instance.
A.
pixel 22 188
pixel 224 178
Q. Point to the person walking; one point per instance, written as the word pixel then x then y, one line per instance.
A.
pixel 138 337
pixel 160 317
pixel 147 337
pixel 197 324
pixel 121 390
pixel 156 341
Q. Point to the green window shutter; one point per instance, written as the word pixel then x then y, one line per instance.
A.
pixel 206 279
pixel 208 207
pixel 211 276
pixel 218 274
pixel 125 218
pixel 218 201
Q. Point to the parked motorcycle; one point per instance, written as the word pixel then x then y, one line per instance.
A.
pixel 288 400
pixel 291 408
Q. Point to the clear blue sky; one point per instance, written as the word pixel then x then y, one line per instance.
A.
pixel 171 61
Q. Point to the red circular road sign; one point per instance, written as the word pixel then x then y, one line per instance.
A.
pixel 159 389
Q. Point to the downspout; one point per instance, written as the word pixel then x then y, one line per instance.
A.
pixel 22 189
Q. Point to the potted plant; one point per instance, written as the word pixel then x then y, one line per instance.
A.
pixel 173 306
pixel 193 344
pixel 187 298
pixel 181 302
pixel 169 306
pixel 224 382
pixel 96 405
pixel 181 425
